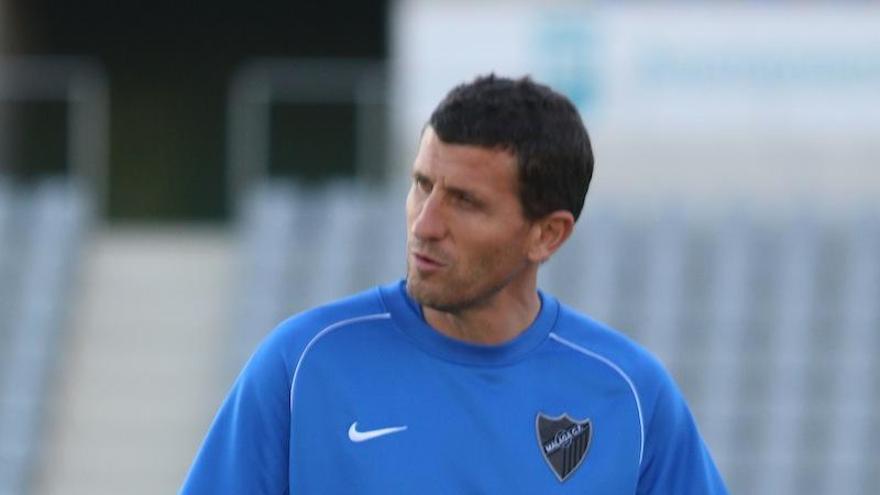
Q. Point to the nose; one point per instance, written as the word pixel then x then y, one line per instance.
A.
pixel 429 223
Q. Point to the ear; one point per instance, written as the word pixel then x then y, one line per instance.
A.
pixel 548 234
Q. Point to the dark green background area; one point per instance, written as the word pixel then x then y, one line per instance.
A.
pixel 169 65
pixel 306 137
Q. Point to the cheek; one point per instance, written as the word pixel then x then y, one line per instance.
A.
pixel 497 247
pixel 516 245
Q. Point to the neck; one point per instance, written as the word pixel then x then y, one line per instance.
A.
pixel 497 320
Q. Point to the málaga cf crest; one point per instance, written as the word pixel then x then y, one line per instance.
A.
pixel 564 442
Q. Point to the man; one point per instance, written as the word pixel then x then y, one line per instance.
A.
pixel 464 378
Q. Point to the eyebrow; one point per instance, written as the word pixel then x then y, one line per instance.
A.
pixel 471 196
pixel 462 192
pixel 469 193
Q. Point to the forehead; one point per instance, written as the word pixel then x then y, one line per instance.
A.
pixel 465 166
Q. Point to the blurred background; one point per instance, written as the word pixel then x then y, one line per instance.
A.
pixel 177 177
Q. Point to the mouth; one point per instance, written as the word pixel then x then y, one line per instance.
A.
pixel 425 263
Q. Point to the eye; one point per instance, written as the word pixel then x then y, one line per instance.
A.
pixel 464 200
pixel 422 183
pixel 461 197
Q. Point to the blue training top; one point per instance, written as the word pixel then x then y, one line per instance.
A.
pixel 362 396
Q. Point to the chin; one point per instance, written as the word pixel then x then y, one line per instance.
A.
pixel 437 298
pixel 446 299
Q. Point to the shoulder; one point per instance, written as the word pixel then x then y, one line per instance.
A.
pixel 291 337
pixel 673 457
pixel 587 334
pixel 598 341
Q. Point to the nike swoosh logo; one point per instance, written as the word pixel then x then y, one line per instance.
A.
pixel 362 436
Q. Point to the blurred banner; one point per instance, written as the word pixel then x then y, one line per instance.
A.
pixel 763 104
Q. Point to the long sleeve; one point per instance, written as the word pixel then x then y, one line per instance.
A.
pixel 246 449
pixel 676 459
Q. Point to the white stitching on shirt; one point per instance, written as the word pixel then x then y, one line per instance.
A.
pixel 325 331
pixel 620 372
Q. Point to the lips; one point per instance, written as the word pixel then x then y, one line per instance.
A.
pixel 425 262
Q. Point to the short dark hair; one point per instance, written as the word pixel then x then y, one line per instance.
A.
pixel 541 127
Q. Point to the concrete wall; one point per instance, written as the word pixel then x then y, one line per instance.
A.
pixel 740 103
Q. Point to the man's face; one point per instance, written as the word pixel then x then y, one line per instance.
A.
pixel 466 234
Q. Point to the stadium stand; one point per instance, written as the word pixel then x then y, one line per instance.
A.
pixel 43 225
pixel 41 230
pixel 771 324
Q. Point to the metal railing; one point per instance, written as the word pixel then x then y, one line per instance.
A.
pixel 82 85
pixel 42 226
pixel 261 83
